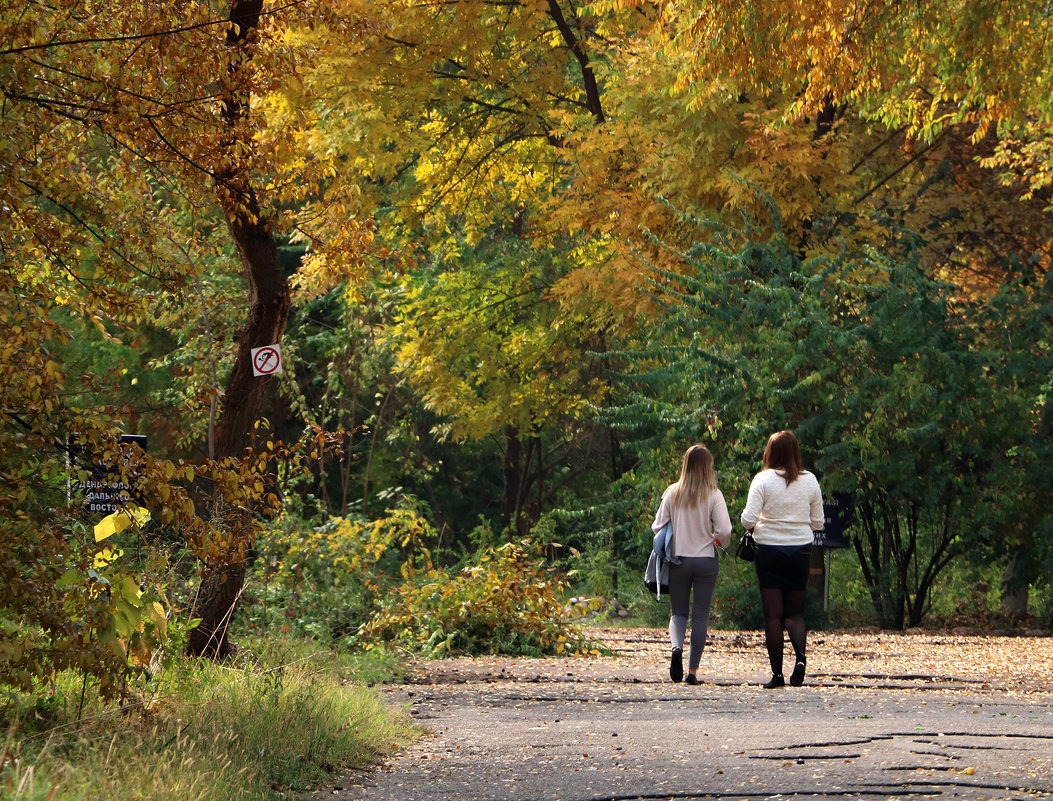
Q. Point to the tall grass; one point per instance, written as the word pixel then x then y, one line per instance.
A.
pixel 205 733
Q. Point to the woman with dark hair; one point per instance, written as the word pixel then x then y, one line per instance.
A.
pixel 784 507
pixel 700 522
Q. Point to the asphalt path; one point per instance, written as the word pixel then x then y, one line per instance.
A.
pixel 873 721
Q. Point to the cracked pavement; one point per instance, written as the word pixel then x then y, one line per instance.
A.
pixel 883 716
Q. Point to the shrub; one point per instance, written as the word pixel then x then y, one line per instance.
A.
pixel 737 604
pixel 327 580
pixel 510 602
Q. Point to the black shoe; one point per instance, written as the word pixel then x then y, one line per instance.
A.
pixel 797 677
pixel 776 681
pixel 692 679
pixel 676 665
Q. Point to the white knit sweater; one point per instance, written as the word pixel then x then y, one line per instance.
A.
pixel 781 514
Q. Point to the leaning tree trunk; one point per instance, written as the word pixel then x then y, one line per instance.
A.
pixel 268 312
pixel 221 585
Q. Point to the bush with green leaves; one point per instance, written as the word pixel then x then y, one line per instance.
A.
pixel 326 580
pixel 736 599
pixel 511 601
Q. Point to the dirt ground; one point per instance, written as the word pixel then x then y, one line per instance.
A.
pixel 881 715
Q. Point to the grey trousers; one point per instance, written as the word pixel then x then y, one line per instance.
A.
pixel 691 585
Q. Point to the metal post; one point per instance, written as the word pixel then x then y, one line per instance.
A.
pixel 826 581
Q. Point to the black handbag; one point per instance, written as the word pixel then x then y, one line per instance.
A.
pixel 747 547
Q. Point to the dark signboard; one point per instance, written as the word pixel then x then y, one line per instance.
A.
pixel 838 514
pixel 103 493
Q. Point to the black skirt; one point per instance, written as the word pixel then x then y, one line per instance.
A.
pixel 783 567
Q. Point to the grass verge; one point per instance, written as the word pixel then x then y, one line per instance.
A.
pixel 202 732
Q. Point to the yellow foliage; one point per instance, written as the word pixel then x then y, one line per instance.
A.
pixel 120 520
pixel 481 362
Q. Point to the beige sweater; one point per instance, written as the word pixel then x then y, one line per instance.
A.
pixel 695 529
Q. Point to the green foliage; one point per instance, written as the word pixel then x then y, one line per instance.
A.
pixel 326 581
pixel 595 569
pixel 736 599
pixel 609 540
pixel 850 600
pixel 374 583
pixel 510 602
pixel 81 603
pixel 919 404
pixel 351 393
pixel 487 346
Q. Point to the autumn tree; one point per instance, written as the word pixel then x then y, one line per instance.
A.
pixel 529 121
pixel 118 123
pixel 962 87
pixel 495 357
pixel 612 121
pixel 454 119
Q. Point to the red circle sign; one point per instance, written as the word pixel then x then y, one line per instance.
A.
pixel 266 361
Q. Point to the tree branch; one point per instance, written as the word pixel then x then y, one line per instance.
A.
pixel 592 89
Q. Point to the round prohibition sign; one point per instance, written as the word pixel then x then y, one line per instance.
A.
pixel 266 361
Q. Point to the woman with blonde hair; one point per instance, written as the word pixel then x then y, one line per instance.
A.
pixel 700 522
pixel 784 507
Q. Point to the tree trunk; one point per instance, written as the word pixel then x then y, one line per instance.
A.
pixel 268 313
pixel 1015 588
pixel 269 301
pixel 1021 568
pixel 217 598
pixel 513 479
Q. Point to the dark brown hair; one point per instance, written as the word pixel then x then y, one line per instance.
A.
pixel 783 453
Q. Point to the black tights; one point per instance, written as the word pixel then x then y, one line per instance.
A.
pixel 783 608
